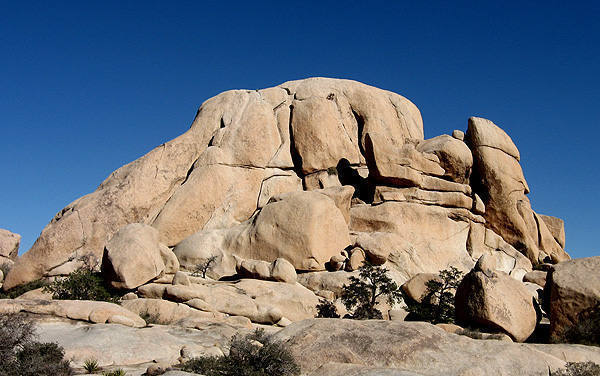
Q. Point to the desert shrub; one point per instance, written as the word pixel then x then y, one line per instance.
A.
pixel 437 304
pixel 21 355
pixel 201 269
pixel 115 372
pixel 585 330
pixel 150 318
pixel 22 289
pixel 579 369
pixel 360 296
pixel 475 334
pixel 37 359
pixel 326 309
pixel 82 284
pixel 91 366
pixel 252 355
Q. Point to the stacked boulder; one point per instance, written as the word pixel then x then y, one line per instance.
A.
pixel 312 176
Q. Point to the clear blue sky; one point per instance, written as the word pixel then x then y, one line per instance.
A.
pixel 86 87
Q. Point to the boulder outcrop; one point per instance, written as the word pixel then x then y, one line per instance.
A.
pixel 571 289
pixel 498 179
pixel 305 171
pixel 407 346
pixel 495 300
pixel 133 257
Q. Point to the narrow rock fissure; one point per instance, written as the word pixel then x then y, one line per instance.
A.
pixel 360 123
pixel 296 157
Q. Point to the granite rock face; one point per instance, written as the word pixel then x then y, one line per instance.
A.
pixel 308 171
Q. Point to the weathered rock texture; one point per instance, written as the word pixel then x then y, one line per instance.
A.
pixel 307 171
pixel 408 346
pixel 572 288
pixel 9 246
pixel 495 301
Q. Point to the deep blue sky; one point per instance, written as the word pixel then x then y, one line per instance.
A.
pixel 86 87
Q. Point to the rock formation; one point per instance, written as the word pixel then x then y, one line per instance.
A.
pixel 271 201
pixel 244 182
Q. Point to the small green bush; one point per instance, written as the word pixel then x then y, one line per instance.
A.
pixel 20 355
pixel 150 318
pixel 82 284
pixel 579 369
pixel 251 355
pixel 116 372
pixel 91 366
pixel 437 304
pixel 37 359
pixel 326 309
pixel 360 296
pixel 22 289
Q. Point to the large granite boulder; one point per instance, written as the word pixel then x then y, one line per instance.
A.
pixel 572 289
pixel 495 301
pixel 133 257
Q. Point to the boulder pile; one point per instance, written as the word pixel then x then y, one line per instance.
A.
pixel 275 197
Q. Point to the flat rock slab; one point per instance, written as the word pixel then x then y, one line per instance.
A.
pixel 85 310
pixel 115 345
pixel 417 347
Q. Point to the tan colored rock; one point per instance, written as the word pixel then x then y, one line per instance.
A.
pixel 416 238
pixel 169 259
pixel 498 177
pixel 326 281
pixel 36 294
pixel 132 257
pixel 283 271
pixel 572 288
pixel 496 301
pixel 181 278
pixel 128 348
pixel 420 196
pixel 398 163
pixel 279 183
pixel 342 197
pixel 478 205
pixel 331 117
pixel 305 228
pixel 169 313
pixel 201 246
pixel 9 244
pixel 255 269
pixel 536 276
pixel 482 132
pixel 92 311
pixel 321 179
pixel 556 226
pixel 418 347
pixel 231 195
pixel 459 135
pixel 416 287
pixel 157 369
pixel 336 262
pixel 260 301
pixel 356 260
pixel 454 155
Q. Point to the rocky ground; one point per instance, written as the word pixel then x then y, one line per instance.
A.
pixel 282 194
